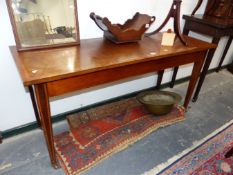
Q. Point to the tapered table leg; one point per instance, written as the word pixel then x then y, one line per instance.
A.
pixel 32 95
pixel 159 80
pixel 194 77
pixel 224 53
pixel 205 69
pixel 46 122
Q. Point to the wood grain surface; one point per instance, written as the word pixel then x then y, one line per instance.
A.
pixel 93 55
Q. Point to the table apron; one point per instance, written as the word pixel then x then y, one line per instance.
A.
pixel 79 82
pixel 207 29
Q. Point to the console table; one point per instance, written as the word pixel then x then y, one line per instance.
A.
pixel 57 71
pixel 211 26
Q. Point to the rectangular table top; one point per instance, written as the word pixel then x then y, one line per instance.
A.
pixel 41 66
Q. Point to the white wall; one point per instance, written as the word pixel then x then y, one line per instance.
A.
pixel 15 104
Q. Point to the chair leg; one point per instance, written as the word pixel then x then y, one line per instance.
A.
pixel 172 83
pixel 159 80
pixel 224 53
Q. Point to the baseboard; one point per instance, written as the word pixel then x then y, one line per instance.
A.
pixel 33 125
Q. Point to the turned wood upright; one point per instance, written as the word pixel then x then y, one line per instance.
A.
pixel 174 13
pixel 54 72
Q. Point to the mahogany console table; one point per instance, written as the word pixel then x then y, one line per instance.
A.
pixel 211 26
pixel 57 71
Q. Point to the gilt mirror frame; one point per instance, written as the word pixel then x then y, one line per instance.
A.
pixel 50 44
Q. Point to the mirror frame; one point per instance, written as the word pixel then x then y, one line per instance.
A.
pixel 17 39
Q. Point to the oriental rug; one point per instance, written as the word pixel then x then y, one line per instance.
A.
pixel 97 133
pixel 206 158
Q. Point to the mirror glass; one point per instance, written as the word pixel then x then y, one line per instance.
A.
pixel 44 22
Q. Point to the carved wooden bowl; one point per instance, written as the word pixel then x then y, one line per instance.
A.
pixel 131 31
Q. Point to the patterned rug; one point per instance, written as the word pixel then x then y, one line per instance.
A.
pixel 208 158
pixel 97 133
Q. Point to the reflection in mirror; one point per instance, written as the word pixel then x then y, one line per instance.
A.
pixel 44 22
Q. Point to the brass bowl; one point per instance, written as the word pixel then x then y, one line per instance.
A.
pixel 159 102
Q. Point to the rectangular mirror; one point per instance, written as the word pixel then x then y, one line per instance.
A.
pixel 41 24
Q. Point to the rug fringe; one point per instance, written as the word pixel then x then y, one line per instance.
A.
pixel 195 144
